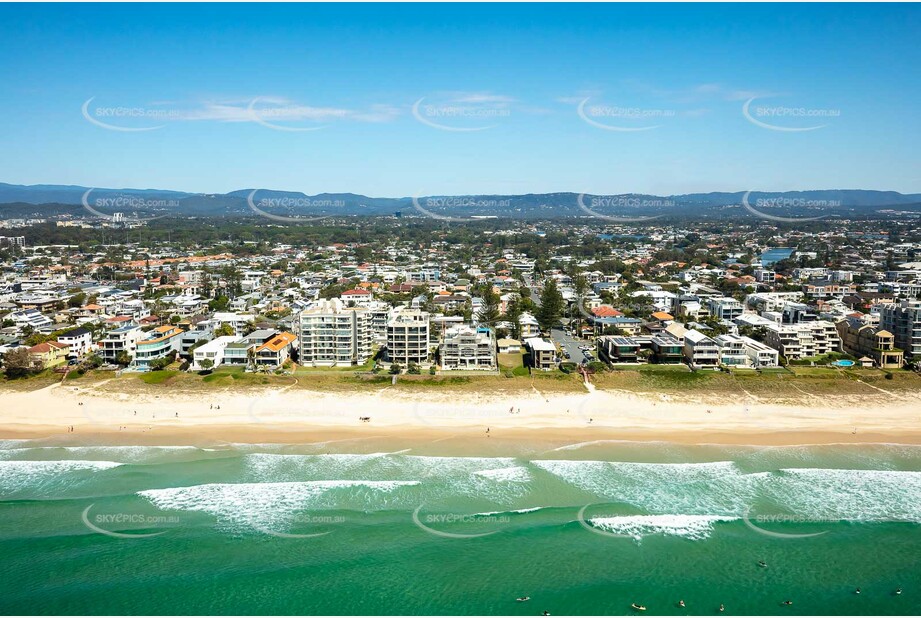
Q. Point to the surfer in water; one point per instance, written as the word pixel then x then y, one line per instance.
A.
pixel 681 603
pixel 762 564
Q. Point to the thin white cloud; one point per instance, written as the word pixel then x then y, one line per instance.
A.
pixel 280 109
pixel 481 98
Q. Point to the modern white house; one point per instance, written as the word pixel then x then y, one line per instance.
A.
pixel 212 351
pixel 724 308
pixel 467 348
pixel 237 321
pixel 123 339
pixel 159 343
pixel 79 340
pixel 30 317
pixel 760 354
pixel 732 351
pixel 700 350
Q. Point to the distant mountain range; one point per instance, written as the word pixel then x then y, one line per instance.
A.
pixel 18 201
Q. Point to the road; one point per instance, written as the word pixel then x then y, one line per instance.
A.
pixel 569 343
pixel 564 340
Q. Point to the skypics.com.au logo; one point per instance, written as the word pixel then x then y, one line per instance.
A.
pixel 786 204
pixel 620 203
pixel 128 119
pixel 483 208
pixel 106 523
pixel 122 202
pixel 291 205
pixel 462 112
pixel 617 118
pixel 783 118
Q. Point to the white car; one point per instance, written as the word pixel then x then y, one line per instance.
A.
pixel 585 347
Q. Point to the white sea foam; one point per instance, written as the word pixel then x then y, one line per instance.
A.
pixel 691 488
pixel 514 474
pixel 852 495
pixel 39 476
pixel 695 527
pixel 442 476
pixel 272 505
pixel 533 509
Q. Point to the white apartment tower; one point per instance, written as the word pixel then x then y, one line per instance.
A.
pixel 332 334
pixel 408 337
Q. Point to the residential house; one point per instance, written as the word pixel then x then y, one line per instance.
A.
pixel 542 353
pixel 667 349
pixel 78 340
pixel 700 350
pixel 120 340
pixel 509 346
pixel 49 354
pixel 274 352
pixel 212 351
pixel 863 339
pixel 160 343
pixel 617 349
pixel 467 348
pixel 528 325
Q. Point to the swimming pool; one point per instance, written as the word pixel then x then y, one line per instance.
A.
pixel 844 363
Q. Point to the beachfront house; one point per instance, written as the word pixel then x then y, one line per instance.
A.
pixel 700 350
pixel 79 341
pixel 160 343
pixel 466 348
pixel 48 354
pixel 617 349
pixel 120 341
pixel 509 346
pixel 542 353
pixel 212 351
pixel 273 353
pixel 872 341
pixel 667 349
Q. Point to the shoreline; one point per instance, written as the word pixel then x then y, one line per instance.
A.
pixel 282 416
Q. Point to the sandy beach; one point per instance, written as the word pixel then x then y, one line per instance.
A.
pixel 297 416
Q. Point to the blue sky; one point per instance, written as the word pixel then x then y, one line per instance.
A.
pixel 425 99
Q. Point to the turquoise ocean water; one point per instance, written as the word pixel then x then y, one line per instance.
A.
pixel 580 529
